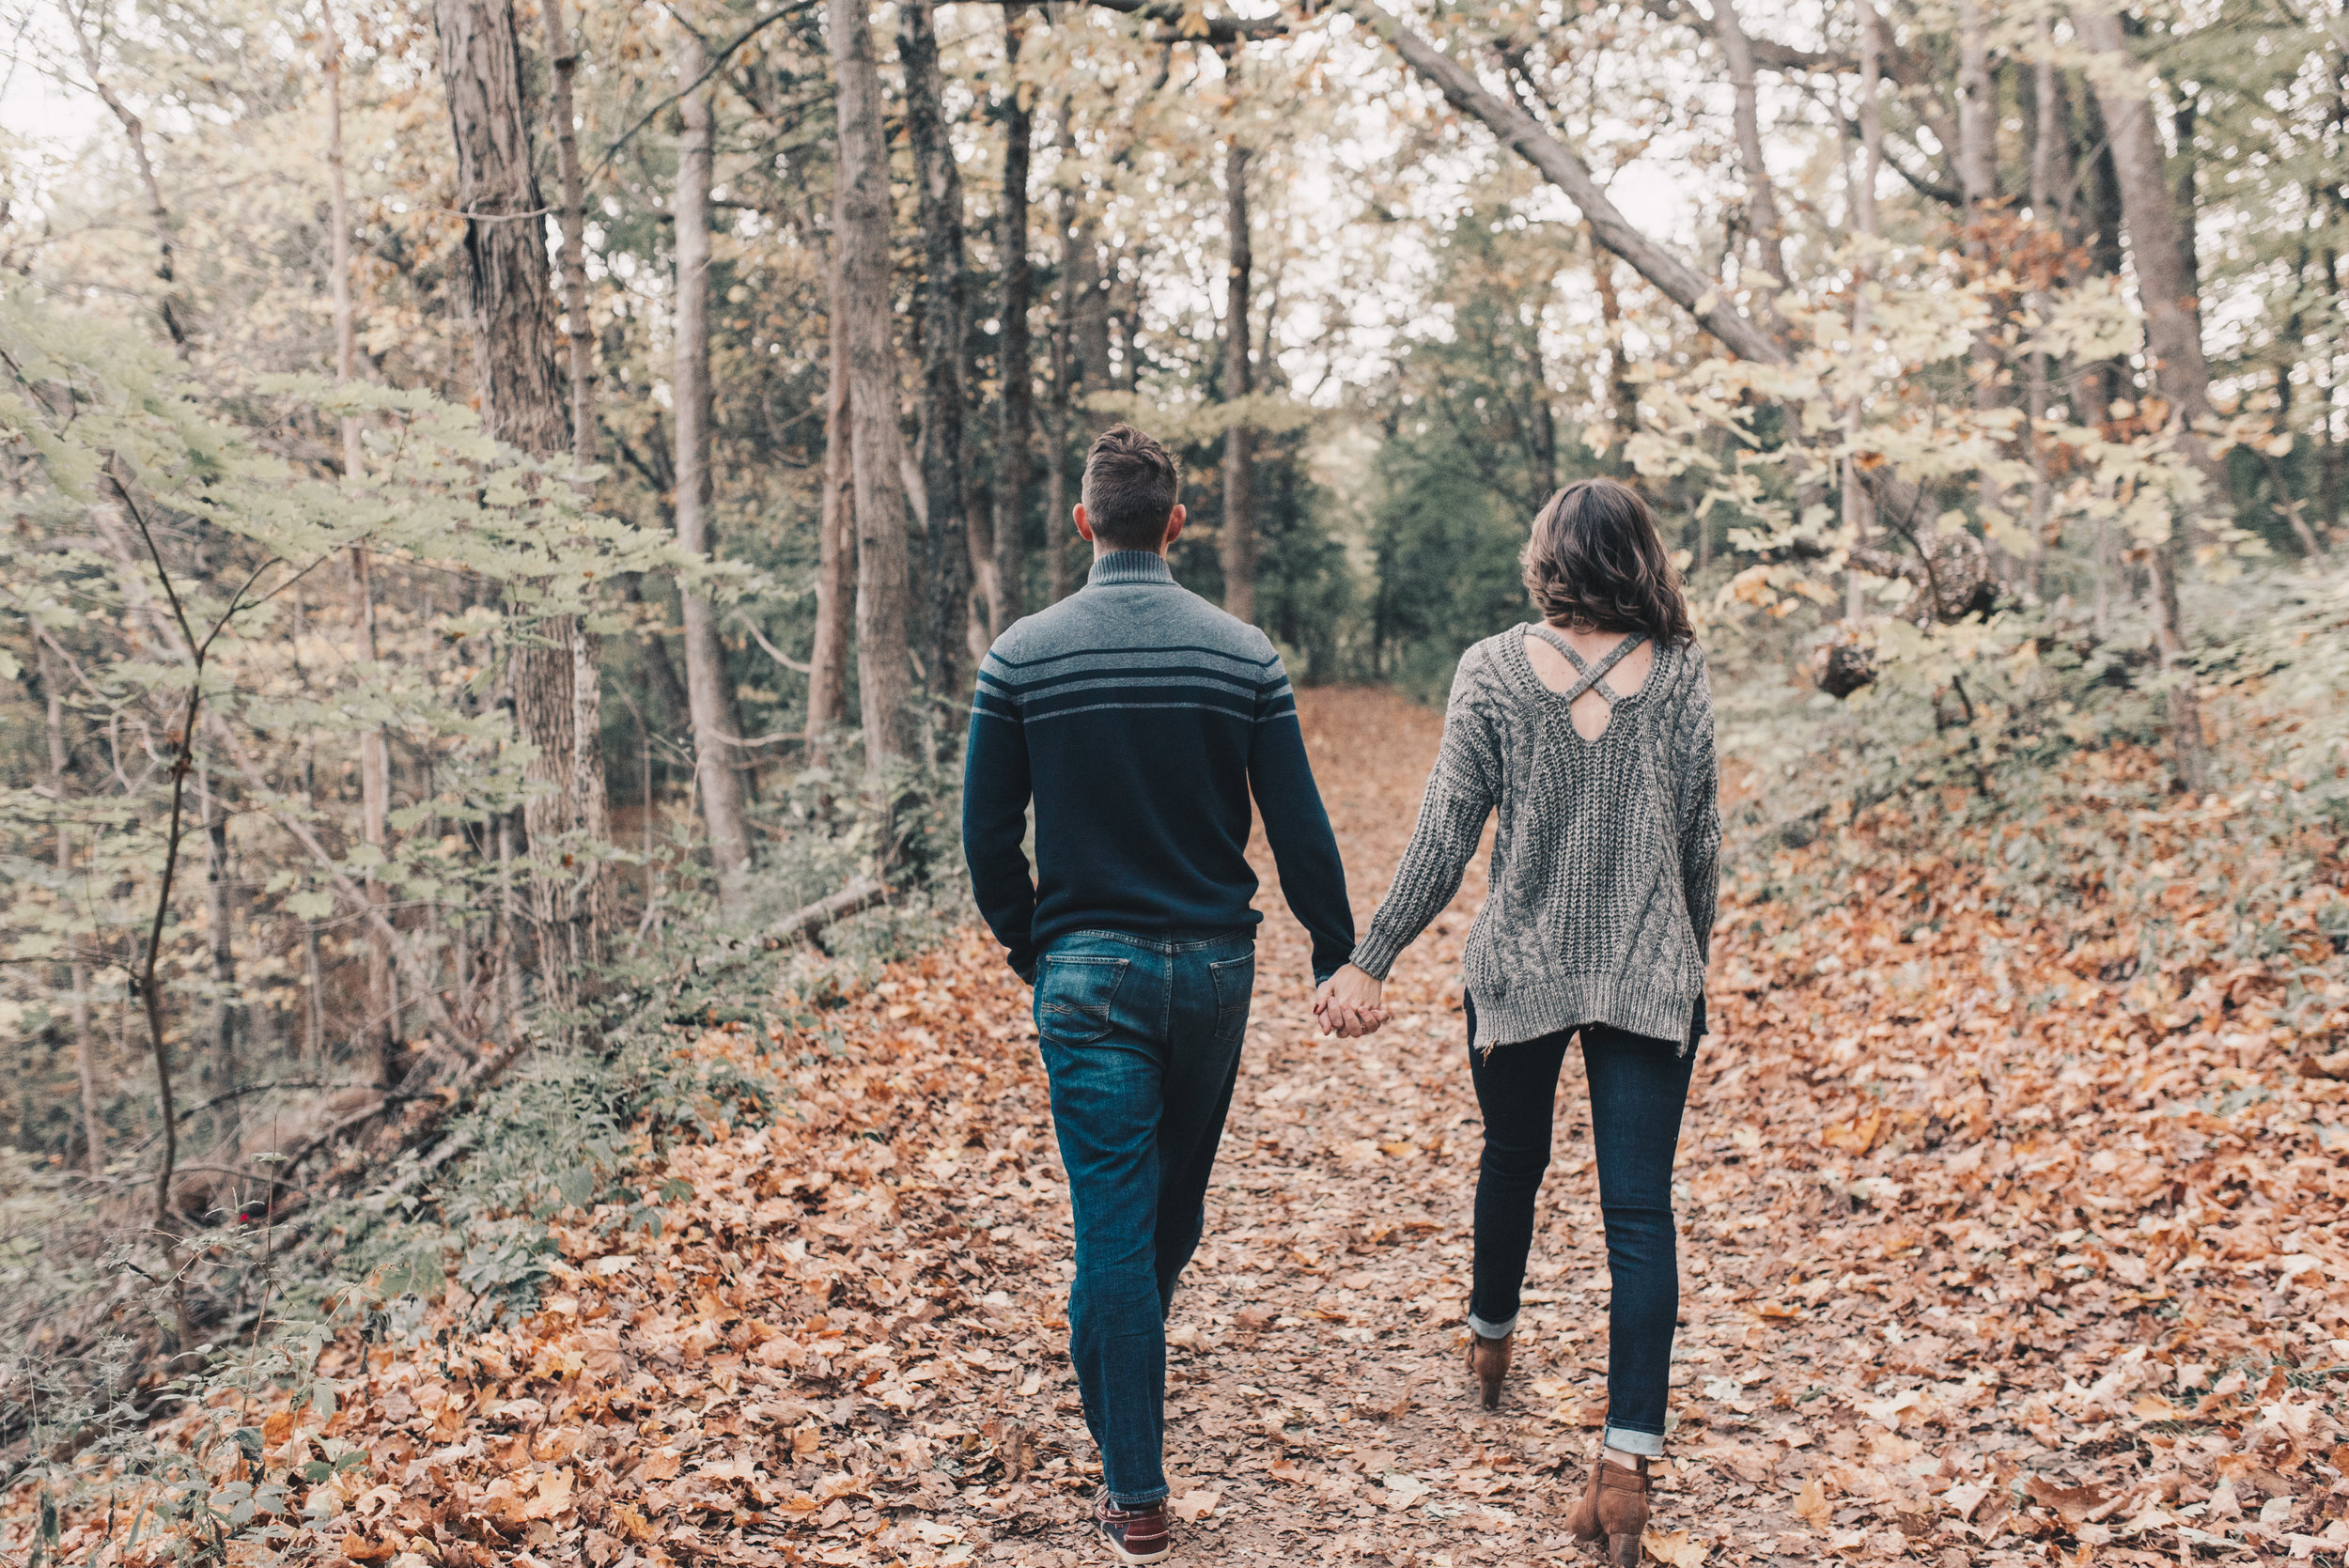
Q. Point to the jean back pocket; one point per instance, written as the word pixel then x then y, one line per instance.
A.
pixel 1234 984
pixel 1074 994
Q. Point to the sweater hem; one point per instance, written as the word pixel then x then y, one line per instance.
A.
pixel 1530 1012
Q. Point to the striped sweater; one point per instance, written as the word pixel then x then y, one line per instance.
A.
pixel 1140 719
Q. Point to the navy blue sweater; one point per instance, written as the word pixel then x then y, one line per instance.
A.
pixel 1140 717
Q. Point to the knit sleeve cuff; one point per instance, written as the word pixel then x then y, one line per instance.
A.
pixel 1376 953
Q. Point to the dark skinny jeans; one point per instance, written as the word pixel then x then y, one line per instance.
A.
pixel 1637 1089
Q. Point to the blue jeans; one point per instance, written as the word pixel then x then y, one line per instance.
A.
pixel 1637 1088
pixel 1141 1038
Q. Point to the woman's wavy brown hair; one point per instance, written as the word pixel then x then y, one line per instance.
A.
pixel 1595 563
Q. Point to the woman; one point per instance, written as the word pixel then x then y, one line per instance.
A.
pixel 1591 734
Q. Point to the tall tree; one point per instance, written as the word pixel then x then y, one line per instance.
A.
pixel 835 543
pixel 1085 291
pixel 1870 158
pixel 563 55
pixel 374 765
pixel 860 230
pixel 1007 578
pixel 1978 184
pixel 2050 136
pixel 707 688
pixel 172 309
pixel 2174 342
pixel 1239 470
pixel 945 315
pixel 509 301
pixel 1770 231
pixel 77 970
pixel 1059 528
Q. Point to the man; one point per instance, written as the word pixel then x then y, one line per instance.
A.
pixel 1140 718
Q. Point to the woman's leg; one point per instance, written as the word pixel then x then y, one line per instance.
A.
pixel 1516 1086
pixel 1637 1088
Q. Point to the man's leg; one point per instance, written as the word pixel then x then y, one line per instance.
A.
pixel 1106 1075
pixel 1209 1020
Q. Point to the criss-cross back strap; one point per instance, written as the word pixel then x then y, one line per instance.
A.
pixel 1593 676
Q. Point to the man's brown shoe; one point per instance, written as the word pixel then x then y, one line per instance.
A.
pixel 1134 1535
pixel 1488 1363
pixel 1614 1509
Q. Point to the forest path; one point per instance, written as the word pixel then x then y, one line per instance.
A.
pixel 847 1347
pixel 1318 1408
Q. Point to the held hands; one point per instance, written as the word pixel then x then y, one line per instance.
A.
pixel 1348 1004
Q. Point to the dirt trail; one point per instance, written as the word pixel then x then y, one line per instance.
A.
pixel 847 1347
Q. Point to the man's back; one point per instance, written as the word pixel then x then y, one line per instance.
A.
pixel 1139 715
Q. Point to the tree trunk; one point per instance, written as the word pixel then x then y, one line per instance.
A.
pixel 1085 296
pixel 836 570
pixel 2329 450
pixel 1240 477
pixel 2156 237
pixel 219 921
pixel 572 219
pixel 2049 134
pixel 158 211
pixel 1858 515
pixel 1761 198
pixel 663 687
pixel 861 229
pixel 1623 398
pixel 374 808
pixel 1978 184
pixel 944 314
pixel 77 971
pixel 2173 341
pixel 338 285
pixel 505 265
pixel 1977 119
pixel 374 761
pixel 706 685
pixel 1008 583
pixel 1059 527
pixel 2189 202
pixel 507 297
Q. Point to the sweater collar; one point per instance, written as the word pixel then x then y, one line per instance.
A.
pixel 1128 565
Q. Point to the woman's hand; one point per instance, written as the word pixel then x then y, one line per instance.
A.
pixel 1348 1003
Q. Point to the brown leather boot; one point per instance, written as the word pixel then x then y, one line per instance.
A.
pixel 1488 1363
pixel 1614 1509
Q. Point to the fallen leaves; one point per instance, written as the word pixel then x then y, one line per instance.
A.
pixel 1193 1506
pixel 1983 1253
pixel 1675 1548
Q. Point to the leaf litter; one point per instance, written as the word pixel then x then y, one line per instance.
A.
pixel 1993 1252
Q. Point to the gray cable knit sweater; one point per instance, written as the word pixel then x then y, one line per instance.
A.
pixel 1607 863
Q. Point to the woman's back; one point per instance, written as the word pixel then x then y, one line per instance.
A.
pixel 1600 902
pixel 1591 708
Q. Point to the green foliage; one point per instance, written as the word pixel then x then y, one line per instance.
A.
pixel 1447 560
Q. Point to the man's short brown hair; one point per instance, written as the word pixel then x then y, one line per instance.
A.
pixel 1130 489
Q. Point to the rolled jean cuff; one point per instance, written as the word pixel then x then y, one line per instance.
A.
pixel 1494 1330
pixel 1625 1440
pixel 1133 1502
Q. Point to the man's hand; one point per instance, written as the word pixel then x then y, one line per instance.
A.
pixel 1348 1005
